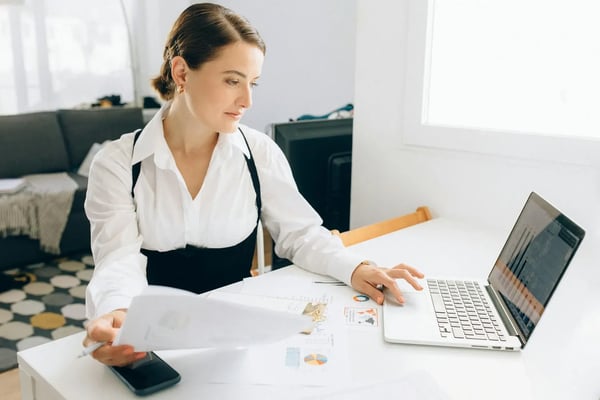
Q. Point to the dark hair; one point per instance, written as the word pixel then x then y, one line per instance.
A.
pixel 197 35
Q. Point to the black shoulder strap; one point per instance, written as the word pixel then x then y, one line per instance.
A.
pixel 253 175
pixel 135 169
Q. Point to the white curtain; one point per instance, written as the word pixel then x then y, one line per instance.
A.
pixel 62 54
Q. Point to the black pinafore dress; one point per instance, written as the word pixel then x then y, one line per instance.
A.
pixel 200 269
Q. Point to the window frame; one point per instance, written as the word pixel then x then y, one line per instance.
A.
pixel 522 145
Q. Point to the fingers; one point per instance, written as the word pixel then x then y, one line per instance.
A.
pixel 367 278
pixel 392 286
pixel 104 329
pixel 100 330
pixel 117 355
pixel 407 273
pixel 371 291
pixel 413 271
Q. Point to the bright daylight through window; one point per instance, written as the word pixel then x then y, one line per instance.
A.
pixel 60 54
pixel 514 65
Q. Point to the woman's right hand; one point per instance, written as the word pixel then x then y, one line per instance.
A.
pixel 105 329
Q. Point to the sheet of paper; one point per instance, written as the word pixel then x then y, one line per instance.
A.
pixel 164 318
pixel 315 359
pixel 271 303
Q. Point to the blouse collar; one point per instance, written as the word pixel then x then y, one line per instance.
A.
pixel 152 142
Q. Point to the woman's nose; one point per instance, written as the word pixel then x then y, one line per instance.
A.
pixel 246 97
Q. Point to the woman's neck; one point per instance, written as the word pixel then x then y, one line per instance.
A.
pixel 186 135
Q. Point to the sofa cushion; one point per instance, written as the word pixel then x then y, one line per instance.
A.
pixel 79 197
pixel 32 143
pixel 83 128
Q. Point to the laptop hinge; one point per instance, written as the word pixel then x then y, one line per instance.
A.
pixel 508 320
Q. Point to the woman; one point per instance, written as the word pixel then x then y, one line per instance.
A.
pixel 179 204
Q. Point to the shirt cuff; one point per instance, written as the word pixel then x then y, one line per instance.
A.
pixel 343 267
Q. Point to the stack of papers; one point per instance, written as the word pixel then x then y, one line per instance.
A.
pixel 8 186
pixel 164 318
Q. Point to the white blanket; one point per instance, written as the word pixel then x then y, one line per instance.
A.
pixel 40 210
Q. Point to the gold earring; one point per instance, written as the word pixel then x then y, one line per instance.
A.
pixel 180 89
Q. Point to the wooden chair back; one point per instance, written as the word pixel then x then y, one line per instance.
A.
pixel 262 252
pixel 367 232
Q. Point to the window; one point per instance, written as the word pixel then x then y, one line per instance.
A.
pixel 512 77
pixel 61 54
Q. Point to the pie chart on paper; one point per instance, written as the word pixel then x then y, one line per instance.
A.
pixel 315 359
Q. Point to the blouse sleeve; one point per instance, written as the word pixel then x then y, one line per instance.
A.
pixel 120 270
pixel 293 224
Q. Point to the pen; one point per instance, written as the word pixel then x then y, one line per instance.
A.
pixel 91 348
pixel 335 283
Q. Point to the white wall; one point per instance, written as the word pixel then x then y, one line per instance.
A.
pixel 309 68
pixel 151 23
pixel 390 178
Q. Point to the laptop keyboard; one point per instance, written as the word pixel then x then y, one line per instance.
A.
pixel 463 311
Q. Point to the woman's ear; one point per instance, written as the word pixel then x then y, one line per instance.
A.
pixel 178 70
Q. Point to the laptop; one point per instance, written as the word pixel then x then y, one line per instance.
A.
pixel 502 312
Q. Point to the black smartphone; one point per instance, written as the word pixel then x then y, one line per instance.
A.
pixel 148 375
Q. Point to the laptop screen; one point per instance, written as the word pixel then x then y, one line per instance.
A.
pixel 533 260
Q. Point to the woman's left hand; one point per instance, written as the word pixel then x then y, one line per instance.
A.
pixel 368 278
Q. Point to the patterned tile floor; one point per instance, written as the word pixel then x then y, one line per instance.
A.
pixel 49 307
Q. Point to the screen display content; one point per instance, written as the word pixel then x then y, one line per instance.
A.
pixel 533 261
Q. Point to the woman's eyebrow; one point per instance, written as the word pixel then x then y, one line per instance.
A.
pixel 233 71
pixel 238 73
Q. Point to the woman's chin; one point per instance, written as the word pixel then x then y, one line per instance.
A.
pixel 229 127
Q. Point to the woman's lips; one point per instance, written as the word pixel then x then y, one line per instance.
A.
pixel 234 115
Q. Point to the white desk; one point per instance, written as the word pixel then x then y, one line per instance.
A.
pixel 561 361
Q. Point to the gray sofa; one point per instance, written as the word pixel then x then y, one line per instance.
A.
pixel 56 141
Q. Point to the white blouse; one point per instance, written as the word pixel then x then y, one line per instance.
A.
pixel 163 216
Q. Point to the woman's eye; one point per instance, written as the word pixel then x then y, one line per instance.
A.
pixel 254 84
pixel 233 82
